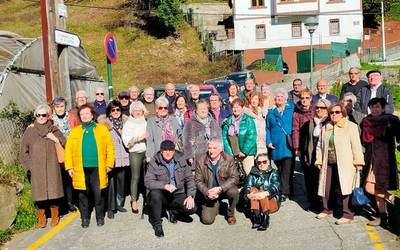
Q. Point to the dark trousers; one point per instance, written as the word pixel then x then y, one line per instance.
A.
pixel 332 188
pixel 116 188
pixel 285 170
pixel 160 199
pixel 45 204
pixel 311 179
pixel 92 183
pixel 210 208
pixel 67 183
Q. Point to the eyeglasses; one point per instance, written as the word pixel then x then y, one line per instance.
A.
pixel 335 112
pixel 305 98
pixel 316 108
pixel 41 115
pixel 116 110
pixel 349 100
pixel 124 97
pixel 161 108
pixel 354 73
pixel 262 162
pixel 99 93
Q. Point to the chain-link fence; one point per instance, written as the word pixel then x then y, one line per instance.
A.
pixel 10 136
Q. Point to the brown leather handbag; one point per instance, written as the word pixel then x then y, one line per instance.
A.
pixel 273 205
pixel 60 152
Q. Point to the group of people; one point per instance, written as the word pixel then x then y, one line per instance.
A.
pixel 192 153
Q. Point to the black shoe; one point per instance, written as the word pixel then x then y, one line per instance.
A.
pixel 121 209
pixel 158 231
pixel 100 222
pixel 85 223
pixel 264 222
pixel 283 198
pixel 71 207
pixel 135 211
pixel 172 217
pixel 110 214
pixel 255 220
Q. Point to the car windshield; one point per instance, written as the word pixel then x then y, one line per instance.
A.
pixel 237 77
pixel 221 87
pixel 205 94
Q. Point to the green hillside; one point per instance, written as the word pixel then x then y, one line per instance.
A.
pixel 143 59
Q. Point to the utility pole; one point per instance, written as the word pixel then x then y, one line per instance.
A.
pixel 383 32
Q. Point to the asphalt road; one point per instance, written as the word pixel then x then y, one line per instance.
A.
pixel 291 228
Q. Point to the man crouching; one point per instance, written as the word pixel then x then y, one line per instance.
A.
pixel 216 178
pixel 171 185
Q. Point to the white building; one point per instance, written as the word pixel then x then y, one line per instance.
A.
pixel 263 24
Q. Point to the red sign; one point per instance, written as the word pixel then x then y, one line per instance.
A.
pixel 110 45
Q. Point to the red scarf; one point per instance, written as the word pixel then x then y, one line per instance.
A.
pixel 374 126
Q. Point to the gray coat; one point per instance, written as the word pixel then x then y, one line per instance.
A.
pixel 154 129
pixel 195 140
pixel 364 95
pixel 157 175
pixel 121 153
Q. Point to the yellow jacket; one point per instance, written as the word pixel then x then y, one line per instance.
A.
pixel 73 155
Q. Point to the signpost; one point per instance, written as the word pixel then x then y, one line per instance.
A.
pixel 66 38
pixel 110 46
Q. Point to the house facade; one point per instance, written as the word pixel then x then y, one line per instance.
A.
pixel 264 24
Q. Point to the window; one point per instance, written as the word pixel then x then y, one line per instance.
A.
pixel 334 27
pixel 296 29
pixel 257 3
pixel 260 31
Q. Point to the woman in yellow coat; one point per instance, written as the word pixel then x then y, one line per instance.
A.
pixel 89 156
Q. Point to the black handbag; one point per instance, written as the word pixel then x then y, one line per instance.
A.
pixel 288 137
pixel 242 173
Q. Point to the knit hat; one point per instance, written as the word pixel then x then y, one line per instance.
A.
pixel 323 103
pixel 167 145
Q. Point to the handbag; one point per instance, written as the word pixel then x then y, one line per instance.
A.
pixel 242 173
pixel 358 196
pixel 60 152
pixel 288 137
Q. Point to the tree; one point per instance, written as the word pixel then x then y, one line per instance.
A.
pixel 170 13
pixel 372 11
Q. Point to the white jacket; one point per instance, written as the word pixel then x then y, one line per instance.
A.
pixel 133 130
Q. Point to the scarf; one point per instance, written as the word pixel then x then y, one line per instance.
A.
pixel 166 129
pixel 43 129
pixel 374 126
pixel 116 123
pixel 180 114
pixel 318 125
pixel 207 124
pixel 234 128
pixel 62 122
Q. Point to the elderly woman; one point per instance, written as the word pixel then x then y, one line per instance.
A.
pixel 380 131
pixel 148 101
pixel 198 131
pixel 349 100
pixel 115 121
pixel 134 136
pixel 254 107
pixel 308 150
pixel 89 156
pixel 162 127
pixel 65 121
pixel 38 156
pixel 233 93
pixel 262 190
pixel 279 132
pixel 268 98
pixel 339 156
pixel 180 108
pixel 239 136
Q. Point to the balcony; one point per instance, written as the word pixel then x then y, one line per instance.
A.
pixel 295 7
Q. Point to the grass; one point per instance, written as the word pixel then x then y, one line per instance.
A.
pixel 367 66
pixel 143 59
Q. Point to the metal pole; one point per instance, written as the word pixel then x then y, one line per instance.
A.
pixel 311 60
pixel 109 78
pixel 383 32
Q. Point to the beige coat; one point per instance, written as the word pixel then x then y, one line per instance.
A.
pixel 348 152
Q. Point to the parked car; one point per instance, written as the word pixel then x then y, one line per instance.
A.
pixel 240 77
pixel 206 91
pixel 222 88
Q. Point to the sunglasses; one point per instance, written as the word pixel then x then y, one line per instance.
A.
pixel 161 108
pixel 99 93
pixel 305 98
pixel 348 100
pixel 124 97
pixel 41 115
pixel 262 162
pixel 335 112
pixel 115 110
pixel 316 108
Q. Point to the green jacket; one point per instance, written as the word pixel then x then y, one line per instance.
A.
pixel 247 135
pixel 267 181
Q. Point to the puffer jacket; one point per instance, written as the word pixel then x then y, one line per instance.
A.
pixel 227 173
pixel 267 181
pixel 157 175
pixel 247 135
pixel 299 131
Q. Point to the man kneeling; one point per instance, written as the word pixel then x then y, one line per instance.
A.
pixel 171 185
pixel 216 178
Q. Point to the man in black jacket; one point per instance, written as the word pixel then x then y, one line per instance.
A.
pixel 355 84
pixel 171 185
pixel 375 88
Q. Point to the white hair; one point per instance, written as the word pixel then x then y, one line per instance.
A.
pixel 162 100
pixel 80 93
pixel 148 90
pixel 281 91
pixel 216 141
pixel 137 105
pixel 42 107
pixel 352 96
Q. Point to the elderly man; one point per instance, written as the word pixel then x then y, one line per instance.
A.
pixel 375 88
pixel 124 99
pixel 354 85
pixel 80 99
pixel 294 94
pixel 349 100
pixel 322 88
pixel 148 101
pixel 216 177
pixel 170 94
pixel 194 96
pixel 171 185
pixel 162 127
pixel 249 86
pixel 134 93
pixel 100 104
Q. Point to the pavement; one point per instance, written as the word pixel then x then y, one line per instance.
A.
pixel 291 227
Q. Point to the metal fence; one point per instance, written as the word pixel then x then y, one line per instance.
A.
pixel 376 53
pixel 10 136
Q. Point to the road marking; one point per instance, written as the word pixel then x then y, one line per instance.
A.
pixel 53 231
pixel 374 237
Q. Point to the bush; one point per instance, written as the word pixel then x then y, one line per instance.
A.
pixel 395 88
pixel 20 118
pixel 266 67
pixel 336 88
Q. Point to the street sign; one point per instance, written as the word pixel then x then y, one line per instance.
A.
pixel 62 10
pixel 110 45
pixel 66 38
